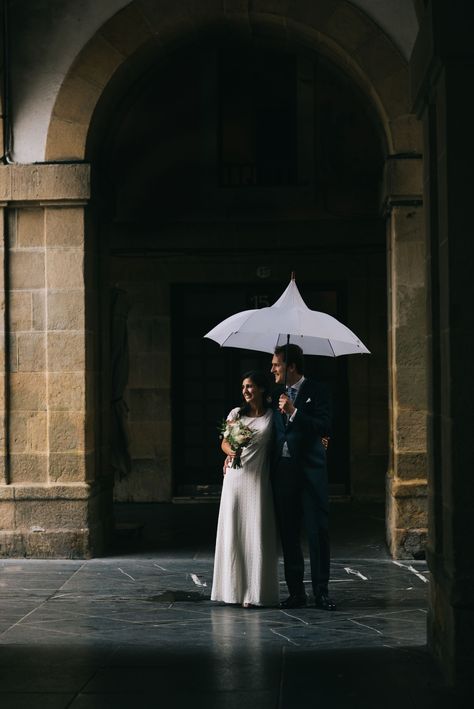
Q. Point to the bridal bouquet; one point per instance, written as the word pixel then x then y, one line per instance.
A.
pixel 237 435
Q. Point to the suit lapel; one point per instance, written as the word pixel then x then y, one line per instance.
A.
pixel 301 393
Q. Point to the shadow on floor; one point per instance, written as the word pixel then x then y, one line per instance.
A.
pixel 137 627
pixel 88 678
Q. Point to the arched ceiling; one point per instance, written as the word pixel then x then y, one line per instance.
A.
pixel 397 18
pixel 53 32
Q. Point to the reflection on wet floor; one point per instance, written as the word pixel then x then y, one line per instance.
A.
pixel 139 627
pixel 178 597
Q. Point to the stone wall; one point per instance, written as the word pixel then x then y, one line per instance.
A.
pixel 407 519
pixel 49 494
pixel 148 391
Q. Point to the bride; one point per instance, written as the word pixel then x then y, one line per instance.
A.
pixel 246 557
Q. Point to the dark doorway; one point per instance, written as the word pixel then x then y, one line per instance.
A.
pixel 206 379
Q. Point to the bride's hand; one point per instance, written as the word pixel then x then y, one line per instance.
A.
pixel 227 463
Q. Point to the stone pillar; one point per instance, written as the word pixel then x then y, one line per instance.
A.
pixel 406 479
pixel 442 67
pixel 50 497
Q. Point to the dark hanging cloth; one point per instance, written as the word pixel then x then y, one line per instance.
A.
pixel 119 439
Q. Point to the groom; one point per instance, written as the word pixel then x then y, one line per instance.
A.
pixel 299 476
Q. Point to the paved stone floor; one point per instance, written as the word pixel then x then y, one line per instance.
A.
pixel 137 629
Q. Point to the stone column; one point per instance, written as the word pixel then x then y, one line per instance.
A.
pixel 406 479
pixel 442 67
pixel 50 497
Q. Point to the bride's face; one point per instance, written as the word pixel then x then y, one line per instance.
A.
pixel 252 393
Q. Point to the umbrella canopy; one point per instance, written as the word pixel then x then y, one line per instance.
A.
pixel 287 320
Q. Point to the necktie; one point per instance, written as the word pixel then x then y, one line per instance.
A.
pixel 292 393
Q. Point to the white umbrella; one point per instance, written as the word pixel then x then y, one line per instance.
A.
pixel 287 320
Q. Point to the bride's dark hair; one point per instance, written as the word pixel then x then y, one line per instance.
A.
pixel 260 380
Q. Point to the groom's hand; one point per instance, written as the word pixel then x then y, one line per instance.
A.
pixel 285 405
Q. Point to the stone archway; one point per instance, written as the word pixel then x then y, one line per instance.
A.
pixel 115 54
pixel 141 30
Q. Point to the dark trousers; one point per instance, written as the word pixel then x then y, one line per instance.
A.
pixel 302 497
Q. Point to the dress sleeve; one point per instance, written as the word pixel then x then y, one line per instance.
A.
pixel 232 415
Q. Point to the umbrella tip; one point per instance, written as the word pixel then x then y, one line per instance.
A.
pixel 293 275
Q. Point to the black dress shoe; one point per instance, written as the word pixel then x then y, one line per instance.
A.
pixel 323 601
pixel 294 602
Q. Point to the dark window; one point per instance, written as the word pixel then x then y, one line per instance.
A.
pixel 257 110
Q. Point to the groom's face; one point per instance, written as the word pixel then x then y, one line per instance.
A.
pixel 278 369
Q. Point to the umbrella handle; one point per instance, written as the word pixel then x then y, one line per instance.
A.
pixel 286 355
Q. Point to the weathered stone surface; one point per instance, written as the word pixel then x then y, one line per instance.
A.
pixel 51 492
pixel 55 521
pixel 408 222
pixel 30 227
pixel 37 432
pixel 49 515
pixel 411 387
pixel 67 467
pixel 412 512
pixel 65 268
pixel 38 299
pixel 98 62
pixel 66 391
pixel 64 226
pixel 25 183
pixel 66 431
pixel 410 346
pixel 7 515
pixel 411 304
pixel 66 310
pixel 12 353
pixel 21 310
pixel 411 466
pixel 409 489
pixel 66 351
pixel 28 468
pixel 28 391
pixel 26 269
pixel 407 134
pixel 76 100
pixel 66 140
pixel 60 544
pixel 18 434
pixel 410 430
pixel 403 178
pixel 31 352
pixel 408 543
pixel 409 264
pixel 28 432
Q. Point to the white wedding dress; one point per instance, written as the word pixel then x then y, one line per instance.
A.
pixel 246 557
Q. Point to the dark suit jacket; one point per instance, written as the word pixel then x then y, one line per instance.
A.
pixel 303 434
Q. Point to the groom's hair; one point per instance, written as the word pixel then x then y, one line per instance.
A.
pixel 295 356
